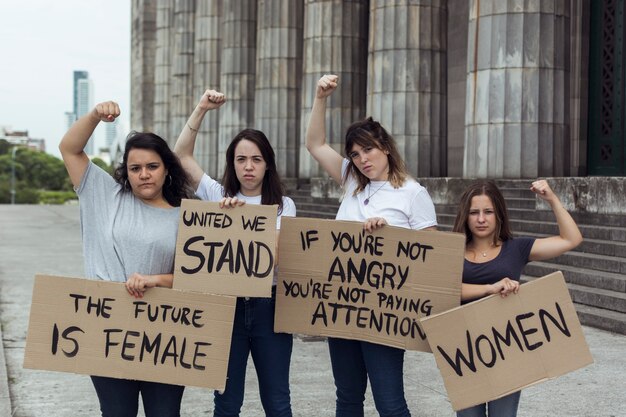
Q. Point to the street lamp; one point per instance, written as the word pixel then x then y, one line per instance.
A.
pixel 13 174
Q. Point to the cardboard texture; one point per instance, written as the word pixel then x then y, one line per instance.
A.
pixel 225 251
pixel 337 280
pixel 495 346
pixel 96 328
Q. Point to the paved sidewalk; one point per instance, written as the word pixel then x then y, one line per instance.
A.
pixel 46 239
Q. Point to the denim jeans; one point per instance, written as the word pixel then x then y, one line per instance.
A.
pixel 253 332
pixel 502 407
pixel 352 362
pixel 120 397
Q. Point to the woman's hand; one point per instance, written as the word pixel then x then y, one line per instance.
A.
pixel 107 111
pixel 137 284
pixel 211 100
pixel 374 223
pixel 326 85
pixel 543 191
pixel 504 287
pixel 230 202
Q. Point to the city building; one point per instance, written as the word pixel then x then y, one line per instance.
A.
pixel 21 138
pixel 83 103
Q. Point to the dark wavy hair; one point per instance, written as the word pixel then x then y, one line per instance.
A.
pixel 367 133
pixel 177 184
pixel 490 189
pixel 272 190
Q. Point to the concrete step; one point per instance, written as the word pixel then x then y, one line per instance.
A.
pixel 315 214
pixel 579 276
pixel 593 261
pixel 521 203
pixel 600 318
pixel 594 297
pixel 317 207
pixel 593 246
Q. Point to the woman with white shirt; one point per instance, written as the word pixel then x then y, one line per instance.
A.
pixel 250 177
pixel 378 190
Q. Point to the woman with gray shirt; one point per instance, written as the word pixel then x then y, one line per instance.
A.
pixel 129 224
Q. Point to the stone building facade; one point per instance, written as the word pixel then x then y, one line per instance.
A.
pixel 468 88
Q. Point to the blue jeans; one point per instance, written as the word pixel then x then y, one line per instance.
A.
pixel 502 407
pixel 253 332
pixel 120 397
pixel 352 362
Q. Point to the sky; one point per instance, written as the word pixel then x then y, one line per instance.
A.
pixel 42 42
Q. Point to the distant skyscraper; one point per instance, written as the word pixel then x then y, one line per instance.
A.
pixel 83 101
pixel 110 133
pixel 70 118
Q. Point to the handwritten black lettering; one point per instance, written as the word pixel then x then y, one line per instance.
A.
pixel 376 274
pixel 489 347
pixel 257 261
pixel 413 250
pixel 255 225
pixel 359 243
pixel 308 238
pixel 100 306
pixel 65 335
pixel 208 219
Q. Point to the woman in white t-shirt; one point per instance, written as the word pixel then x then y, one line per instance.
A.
pixel 250 177
pixel 378 190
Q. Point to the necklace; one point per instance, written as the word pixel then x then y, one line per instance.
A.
pixel 370 193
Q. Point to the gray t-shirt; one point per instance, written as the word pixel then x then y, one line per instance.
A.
pixel 121 234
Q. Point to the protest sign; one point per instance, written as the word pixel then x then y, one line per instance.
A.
pixel 337 280
pixel 495 346
pixel 225 251
pixel 97 328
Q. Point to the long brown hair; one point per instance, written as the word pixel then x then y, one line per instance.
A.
pixel 490 189
pixel 367 133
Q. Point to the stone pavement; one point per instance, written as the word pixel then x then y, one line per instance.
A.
pixel 46 239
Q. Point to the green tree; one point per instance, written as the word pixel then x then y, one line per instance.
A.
pixel 103 165
pixel 34 172
pixel 4 146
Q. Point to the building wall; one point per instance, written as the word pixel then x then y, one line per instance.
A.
pixel 408 63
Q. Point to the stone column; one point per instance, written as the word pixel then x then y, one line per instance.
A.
pixel 143 44
pixel 517 89
pixel 163 68
pixel 182 94
pixel 279 69
pixel 335 42
pixel 238 71
pixel 406 89
pixel 206 74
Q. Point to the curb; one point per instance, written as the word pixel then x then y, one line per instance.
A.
pixel 5 395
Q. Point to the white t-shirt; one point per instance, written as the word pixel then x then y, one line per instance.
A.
pixel 408 206
pixel 211 190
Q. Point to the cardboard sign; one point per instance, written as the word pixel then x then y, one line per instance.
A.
pixel 225 251
pixel 495 346
pixel 97 328
pixel 337 280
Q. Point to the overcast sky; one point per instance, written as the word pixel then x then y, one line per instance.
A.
pixel 42 42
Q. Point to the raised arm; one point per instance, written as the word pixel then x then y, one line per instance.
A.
pixel 316 144
pixel 74 141
pixel 186 141
pixel 569 235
